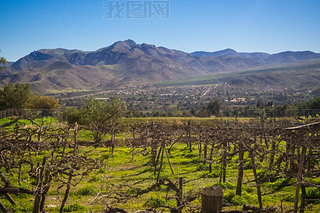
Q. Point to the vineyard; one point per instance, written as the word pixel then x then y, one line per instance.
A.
pixel 160 165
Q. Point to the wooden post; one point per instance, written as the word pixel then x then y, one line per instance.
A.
pixel 211 153
pixel 223 163
pixel 168 159
pixel 212 199
pixel 240 169
pixel 299 178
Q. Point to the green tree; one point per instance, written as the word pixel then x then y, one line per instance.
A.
pixel 2 62
pixel 15 96
pixel 73 115
pixel 214 107
pixel 44 103
pixel 313 106
pixel 102 116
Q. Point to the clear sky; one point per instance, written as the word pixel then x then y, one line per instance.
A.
pixel 244 25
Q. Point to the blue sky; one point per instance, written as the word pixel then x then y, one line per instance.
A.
pixel 244 25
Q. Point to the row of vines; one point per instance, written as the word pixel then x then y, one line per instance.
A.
pixel 43 153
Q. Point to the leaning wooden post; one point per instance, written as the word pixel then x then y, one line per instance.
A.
pixel 211 199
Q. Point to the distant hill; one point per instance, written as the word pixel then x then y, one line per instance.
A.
pixel 126 63
pixel 301 76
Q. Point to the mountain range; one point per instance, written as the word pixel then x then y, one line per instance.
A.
pixel 126 63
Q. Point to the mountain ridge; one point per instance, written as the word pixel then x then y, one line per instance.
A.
pixel 126 63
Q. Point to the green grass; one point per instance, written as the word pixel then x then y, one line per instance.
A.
pixel 24 122
pixel 127 171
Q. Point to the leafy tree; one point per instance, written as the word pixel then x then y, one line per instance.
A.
pixel 73 115
pixel 44 103
pixel 102 116
pixel 2 62
pixel 214 107
pixel 15 96
pixel 313 106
